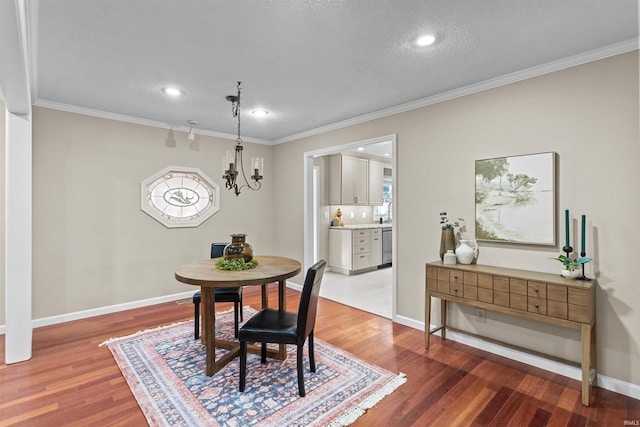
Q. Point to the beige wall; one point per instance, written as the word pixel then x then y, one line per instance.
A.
pixel 92 245
pixel 589 116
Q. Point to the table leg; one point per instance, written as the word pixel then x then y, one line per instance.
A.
pixel 265 296
pixel 208 318
pixel 282 306
pixel 282 295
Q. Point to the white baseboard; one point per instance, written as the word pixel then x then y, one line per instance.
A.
pixel 294 286
pixel 603 381
pixel 68 317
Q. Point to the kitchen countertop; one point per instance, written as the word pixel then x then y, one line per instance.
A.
pixel 363 226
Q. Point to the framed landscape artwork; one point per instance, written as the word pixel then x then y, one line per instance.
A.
pixel 515 199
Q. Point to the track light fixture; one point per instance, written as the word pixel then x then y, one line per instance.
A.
pixel 191 135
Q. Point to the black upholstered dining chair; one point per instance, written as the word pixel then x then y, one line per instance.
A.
pixel 233 295
pixel 282 327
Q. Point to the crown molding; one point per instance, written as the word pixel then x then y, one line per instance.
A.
pixel 550 67
pixel 145 122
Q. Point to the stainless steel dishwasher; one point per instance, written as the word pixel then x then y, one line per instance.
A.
pixel 387 255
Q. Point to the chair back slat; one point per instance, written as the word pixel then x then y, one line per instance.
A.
pixel 217 249
pixel 309 300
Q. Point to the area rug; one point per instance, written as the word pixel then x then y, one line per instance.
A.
pixel 164 368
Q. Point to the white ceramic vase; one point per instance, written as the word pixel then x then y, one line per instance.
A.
pixel 449 257
pixel 465 253
pixel 570 274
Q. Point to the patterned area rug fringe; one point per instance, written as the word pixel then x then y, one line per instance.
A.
pixel 356 412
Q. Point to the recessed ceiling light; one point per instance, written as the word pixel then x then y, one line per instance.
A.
pixel 260 113
pixel 172 91
pixel 360 148
pixel 425 40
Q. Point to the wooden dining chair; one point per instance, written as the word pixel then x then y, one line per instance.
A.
pixel 282 327
pixel 233 294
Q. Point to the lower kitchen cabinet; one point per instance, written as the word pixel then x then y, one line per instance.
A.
pixel 355 250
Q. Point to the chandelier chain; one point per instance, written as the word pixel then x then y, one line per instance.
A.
pixel 237 113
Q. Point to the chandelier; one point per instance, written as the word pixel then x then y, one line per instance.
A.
pixel 232 164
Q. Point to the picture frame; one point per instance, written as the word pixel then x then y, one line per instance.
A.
pixel 516 199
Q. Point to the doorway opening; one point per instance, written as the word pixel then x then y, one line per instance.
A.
pixel 317 219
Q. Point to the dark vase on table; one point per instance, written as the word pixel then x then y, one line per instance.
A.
pixel 447 241
pixel 238 248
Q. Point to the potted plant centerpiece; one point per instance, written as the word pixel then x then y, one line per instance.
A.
pixel 570 265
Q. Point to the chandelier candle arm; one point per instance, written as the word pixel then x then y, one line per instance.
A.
pixel 234 162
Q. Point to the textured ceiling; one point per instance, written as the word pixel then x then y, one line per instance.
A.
pixel 310 63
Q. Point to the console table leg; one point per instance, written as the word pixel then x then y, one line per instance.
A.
pixel 586 362
pixel 443 317
pixel 427 319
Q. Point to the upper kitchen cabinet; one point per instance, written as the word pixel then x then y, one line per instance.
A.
pixel 348 180
pixel 376 182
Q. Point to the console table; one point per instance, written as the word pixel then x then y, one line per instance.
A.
pixel 542 297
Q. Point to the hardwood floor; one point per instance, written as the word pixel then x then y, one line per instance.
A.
pixel 71 381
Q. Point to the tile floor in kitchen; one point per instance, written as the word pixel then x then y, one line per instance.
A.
pixel 370 291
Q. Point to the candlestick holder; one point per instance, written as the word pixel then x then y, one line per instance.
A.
pixel 582 276
pixel 567 250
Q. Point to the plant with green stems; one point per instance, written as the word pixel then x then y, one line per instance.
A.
pixel 237 264
pixel 570 263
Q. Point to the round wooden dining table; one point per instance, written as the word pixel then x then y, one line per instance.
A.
pixel 204 273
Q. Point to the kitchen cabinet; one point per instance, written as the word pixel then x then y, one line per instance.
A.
pixel 355 250
pixel 348 180
pixel 376 182
pixel 376 247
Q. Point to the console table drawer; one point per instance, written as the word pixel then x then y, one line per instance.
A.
pixel 485 281
pixel 471 292
pixel 432 278
pixel 443 287
pixel 501 284
pixel 556 293
pixel 470 279
pixel 455 289
pixel 579 297
pixel 518 286
pixel 519 302
pixel 501 298
pixel 557 309
pixel 455 277
pixel 443 274
pixel 579 313
pixel 485 295
pixel 537 289
pixel 537 305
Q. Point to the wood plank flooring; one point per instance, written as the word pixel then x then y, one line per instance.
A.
pixel 70 381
